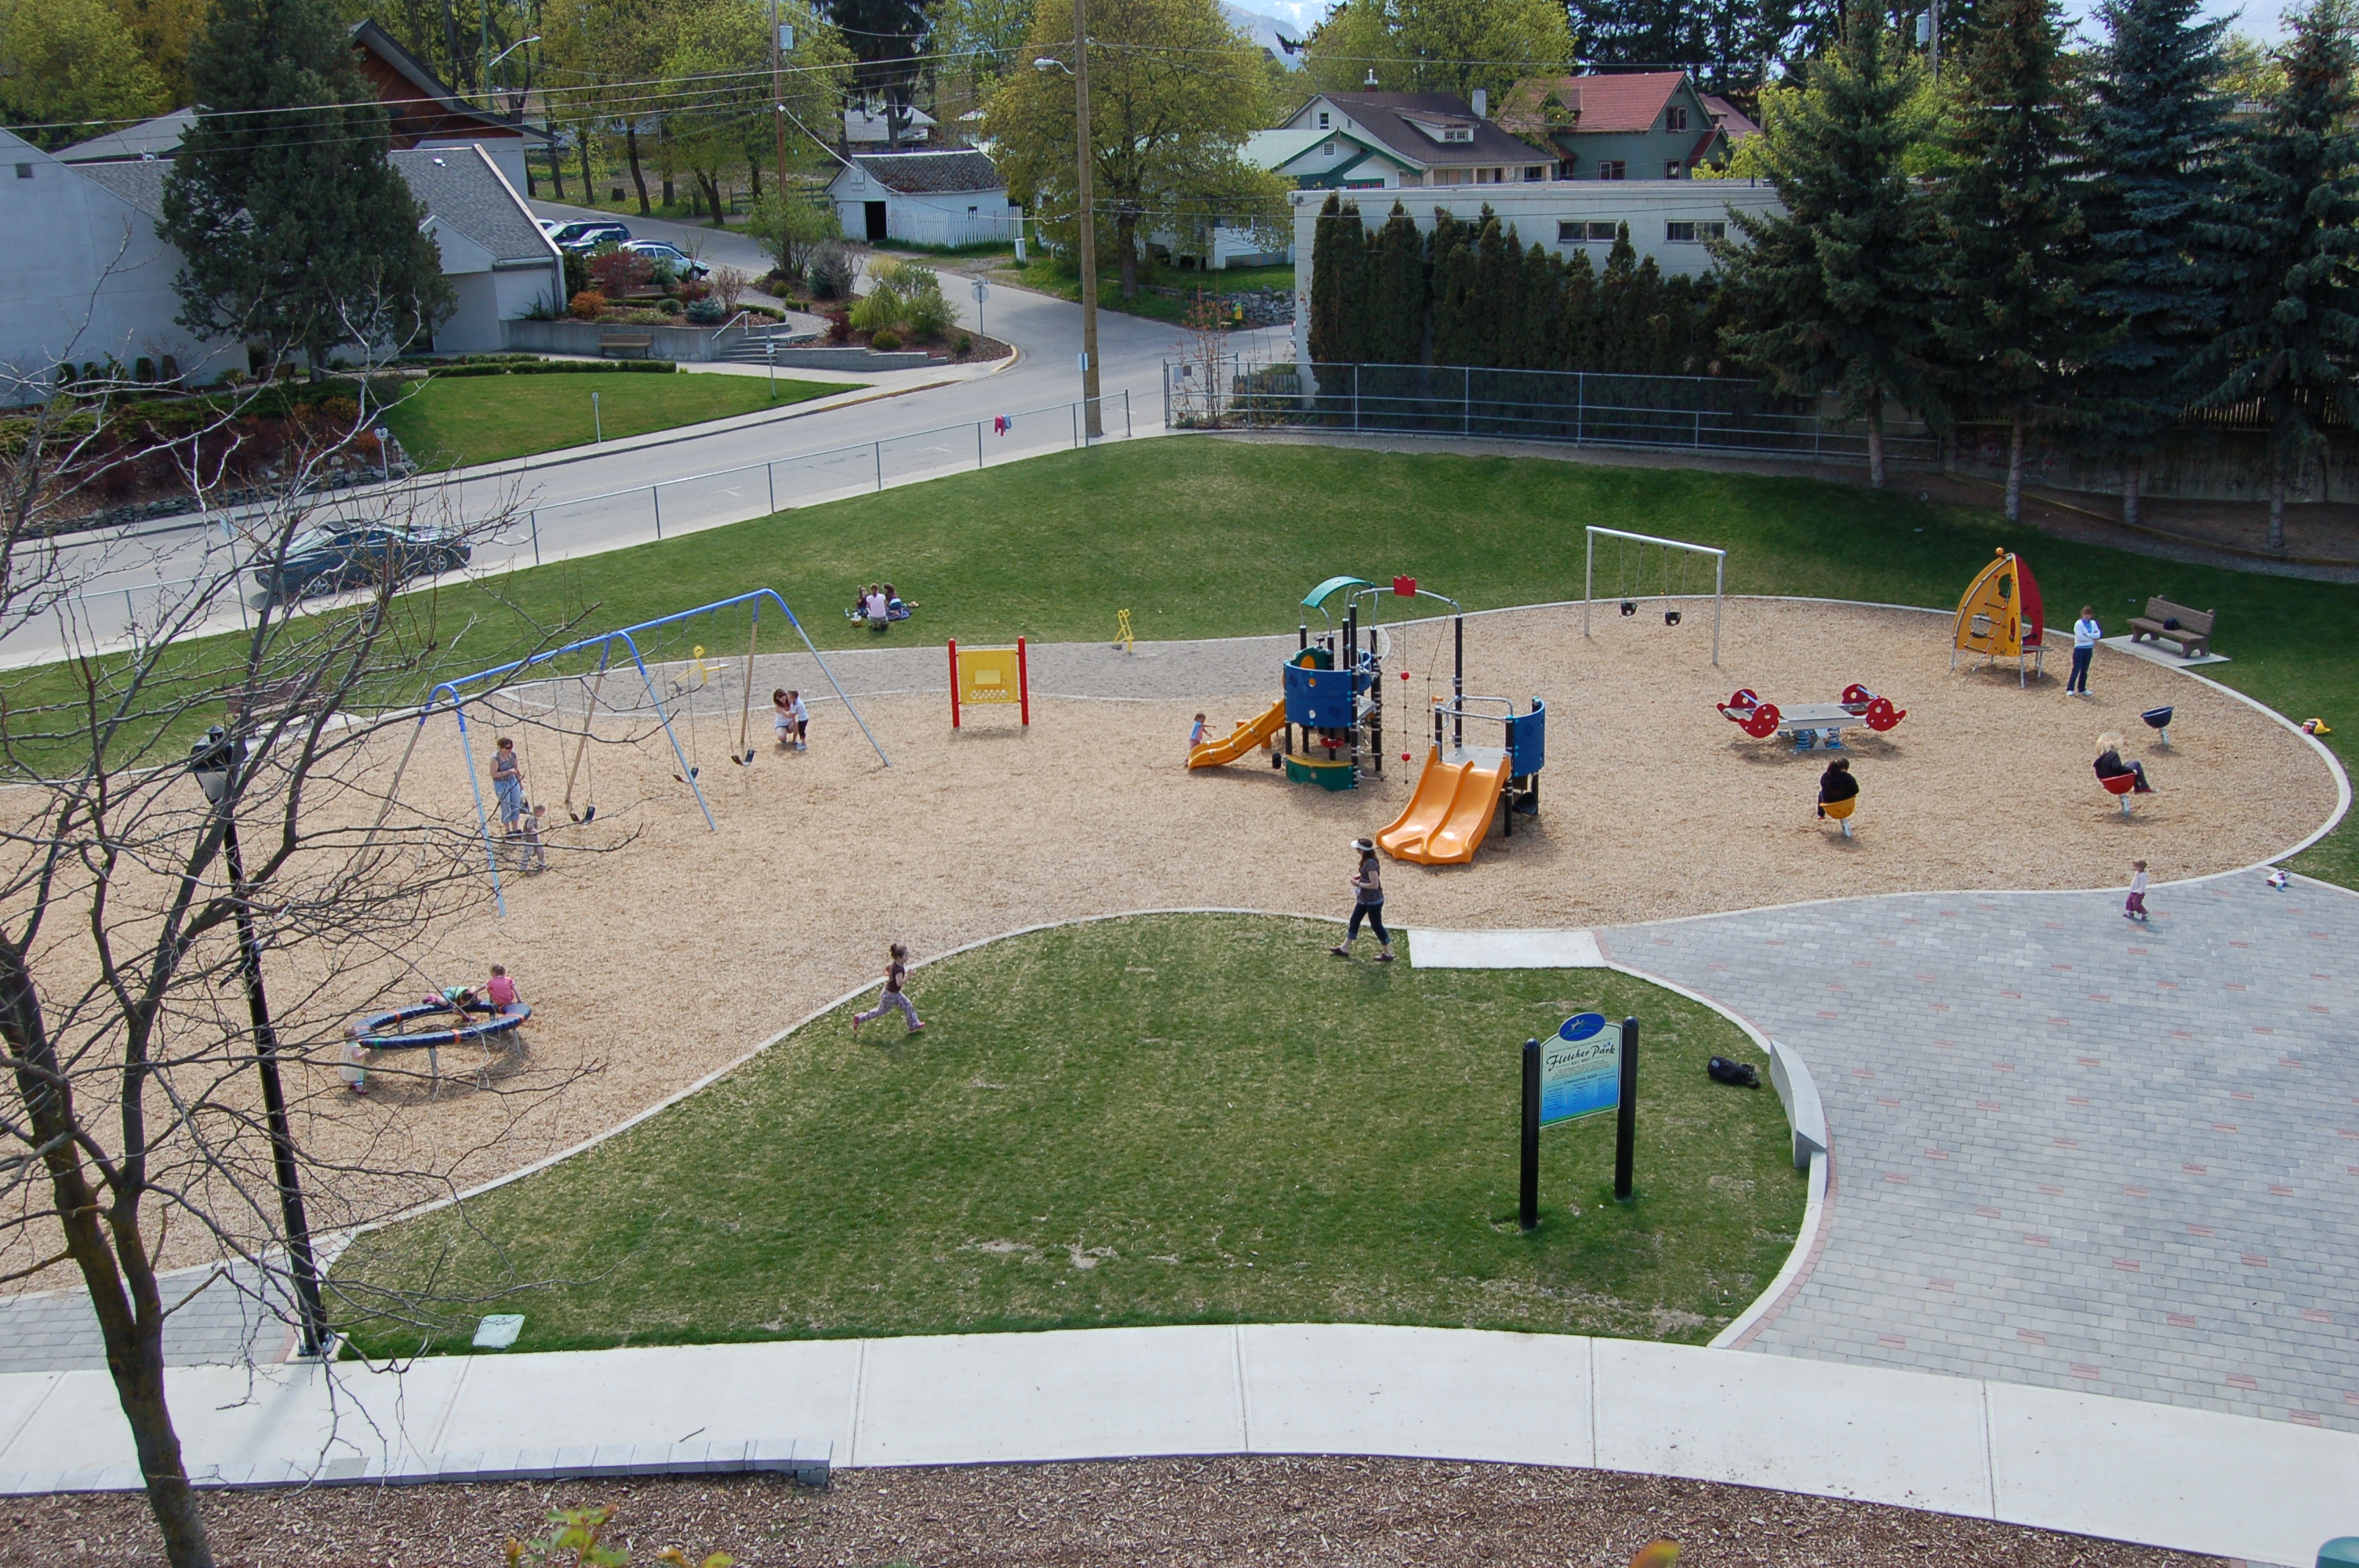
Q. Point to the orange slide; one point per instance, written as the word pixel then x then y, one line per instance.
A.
pixel 1248 734
pixel 1450 813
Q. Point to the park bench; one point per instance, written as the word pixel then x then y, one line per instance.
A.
pixel 638 343
pixel 2190 629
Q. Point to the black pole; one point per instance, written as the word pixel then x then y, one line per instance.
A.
pixel 1626 1115
pixel 1528 1212
pixel 1376 702
pixel 300 1263
pixel 1458 682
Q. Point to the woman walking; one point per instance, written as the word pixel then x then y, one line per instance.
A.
pixel 1367 904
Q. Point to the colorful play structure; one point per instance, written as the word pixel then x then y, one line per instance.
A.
pixel 1813 723
pixel 484 688
pixel 1331 710
pixel 990 676
pixel 472 1023
pixel 2001 617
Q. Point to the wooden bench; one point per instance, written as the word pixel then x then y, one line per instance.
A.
pixel 640 343
pixel 2190 629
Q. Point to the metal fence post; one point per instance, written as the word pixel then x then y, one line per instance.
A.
pixel 1126 414
pixel 978 446
pixel 533 517
pixel 1355 397
pixel 1075 409
pixel 1465 400
pixel 1581 408
pixel 770 472
pixel 654 498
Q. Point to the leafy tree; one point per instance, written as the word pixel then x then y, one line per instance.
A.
pixel 603 50
pixel 1397 291
pixel 2013 262
pixel 291 225
pixel 163 31
pixel 790 227
pixel 2292 340
pixel 2157 216
pixel 1437 46
pixel 1831 293
pixel 1166 119
pixel 886 37
pixel 2249 71
pixel 724 116
pixel 71 60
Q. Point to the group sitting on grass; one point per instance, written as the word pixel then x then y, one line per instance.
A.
pixel 879 606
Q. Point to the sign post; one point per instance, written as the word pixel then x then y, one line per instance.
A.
pixel 1590 1065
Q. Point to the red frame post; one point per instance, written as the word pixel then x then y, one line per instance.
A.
pixel 954 705
pixel 1023 685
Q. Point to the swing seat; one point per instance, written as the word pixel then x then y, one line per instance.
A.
pixel 1841 810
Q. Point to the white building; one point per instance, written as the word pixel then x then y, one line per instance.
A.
pixel 1669 220
pixel 924 198
pixel 85 279
pixel 865 127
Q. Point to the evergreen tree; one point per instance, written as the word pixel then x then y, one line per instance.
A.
pixel 1397 292
pixel 1576 318
pixel 1649 324
pixel 1616 338
pixel 1457 337
pixel 2293 338
pixel 2156 213
pixel 2013 261
pixel 1498 293
pixel 1338 252
pixel 1543 301
pixel 292 227
pixel 1831 293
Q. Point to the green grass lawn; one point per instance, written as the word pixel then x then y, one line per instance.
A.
pixel 1172 1118
pixel 453 421
pixel 1207 538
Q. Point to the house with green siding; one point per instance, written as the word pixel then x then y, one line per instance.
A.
pixel 1655 124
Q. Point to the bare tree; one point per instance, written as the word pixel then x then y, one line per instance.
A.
pixel 180 945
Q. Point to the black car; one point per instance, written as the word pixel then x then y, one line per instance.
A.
pixel 324 560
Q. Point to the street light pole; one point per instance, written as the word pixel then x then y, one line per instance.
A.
pixel 216 760
pixel 779 94
pixel 1089 241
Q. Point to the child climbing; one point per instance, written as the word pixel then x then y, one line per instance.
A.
pixel 507 783
pixel 2085 633
pixel 1367 904
pixel 1196 736
pixel 2134 907
pixel 897 975
pixel 1838 794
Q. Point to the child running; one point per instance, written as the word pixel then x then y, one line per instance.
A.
pixel 2134 907
pixel 897 973
pixel 1367 904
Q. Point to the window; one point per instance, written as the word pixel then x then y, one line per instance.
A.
pixel 1611 168
pixel 24 171
pixel 1534 173
pixel 1564 170
pixel 1673 169
pixel 1675 119
pixel 1323 119
pixel 1327 151
pixel 1457 133
pixel 1412 177
pixel 1577 233
pixel 1693 232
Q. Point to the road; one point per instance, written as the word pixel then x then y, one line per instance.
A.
pixel 594 499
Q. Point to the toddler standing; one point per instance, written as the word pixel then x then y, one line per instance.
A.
pixel 2134 907
pixel 1196 734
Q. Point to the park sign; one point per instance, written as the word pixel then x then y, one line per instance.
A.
pixel 1580 1070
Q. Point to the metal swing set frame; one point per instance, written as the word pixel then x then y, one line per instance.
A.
pixel 1589 574
pixel 455 692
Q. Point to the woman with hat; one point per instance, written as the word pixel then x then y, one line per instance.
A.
pixel 1368 885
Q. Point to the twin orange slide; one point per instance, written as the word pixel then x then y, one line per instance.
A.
pixel 1450 812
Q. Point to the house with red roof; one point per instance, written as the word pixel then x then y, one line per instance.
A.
pixel 1654 124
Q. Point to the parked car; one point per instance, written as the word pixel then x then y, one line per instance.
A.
pixel 682 264
pixel 590 233
pixel 323 560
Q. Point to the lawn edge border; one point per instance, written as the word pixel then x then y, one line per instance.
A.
pixel 1799 1258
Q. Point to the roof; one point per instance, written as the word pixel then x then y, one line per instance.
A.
pixel 1392 118
pixel 861 124
pixel 462 189
pixel 1729 117
pixel 158 138
pixel 1621 102
pixel 1275 149
pixel 920 174
pixel 423 104
pixel 459 187
pixel 140 182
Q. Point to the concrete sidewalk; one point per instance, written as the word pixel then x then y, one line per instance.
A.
pixel 2264 1491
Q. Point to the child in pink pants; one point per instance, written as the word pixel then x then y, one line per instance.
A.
pixel 2134 907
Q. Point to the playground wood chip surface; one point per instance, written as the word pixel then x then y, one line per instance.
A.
pixel 676 949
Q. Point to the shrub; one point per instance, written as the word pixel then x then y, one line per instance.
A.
pixel 886 342
pixel 706 313
pixel 878 310
pixel 617 273
pixel 839 327
pixel 792 229
pixel 729 286
pixel 577 273
pixel 929 316
pixel 587 305
pixel 829 271
pixel 965 345
pixel 670 306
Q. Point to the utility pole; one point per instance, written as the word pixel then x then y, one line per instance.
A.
pixel 778 94
pixel 1089 243
pixel 1933 52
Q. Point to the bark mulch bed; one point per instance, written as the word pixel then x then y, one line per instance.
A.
pixel 1263 1510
